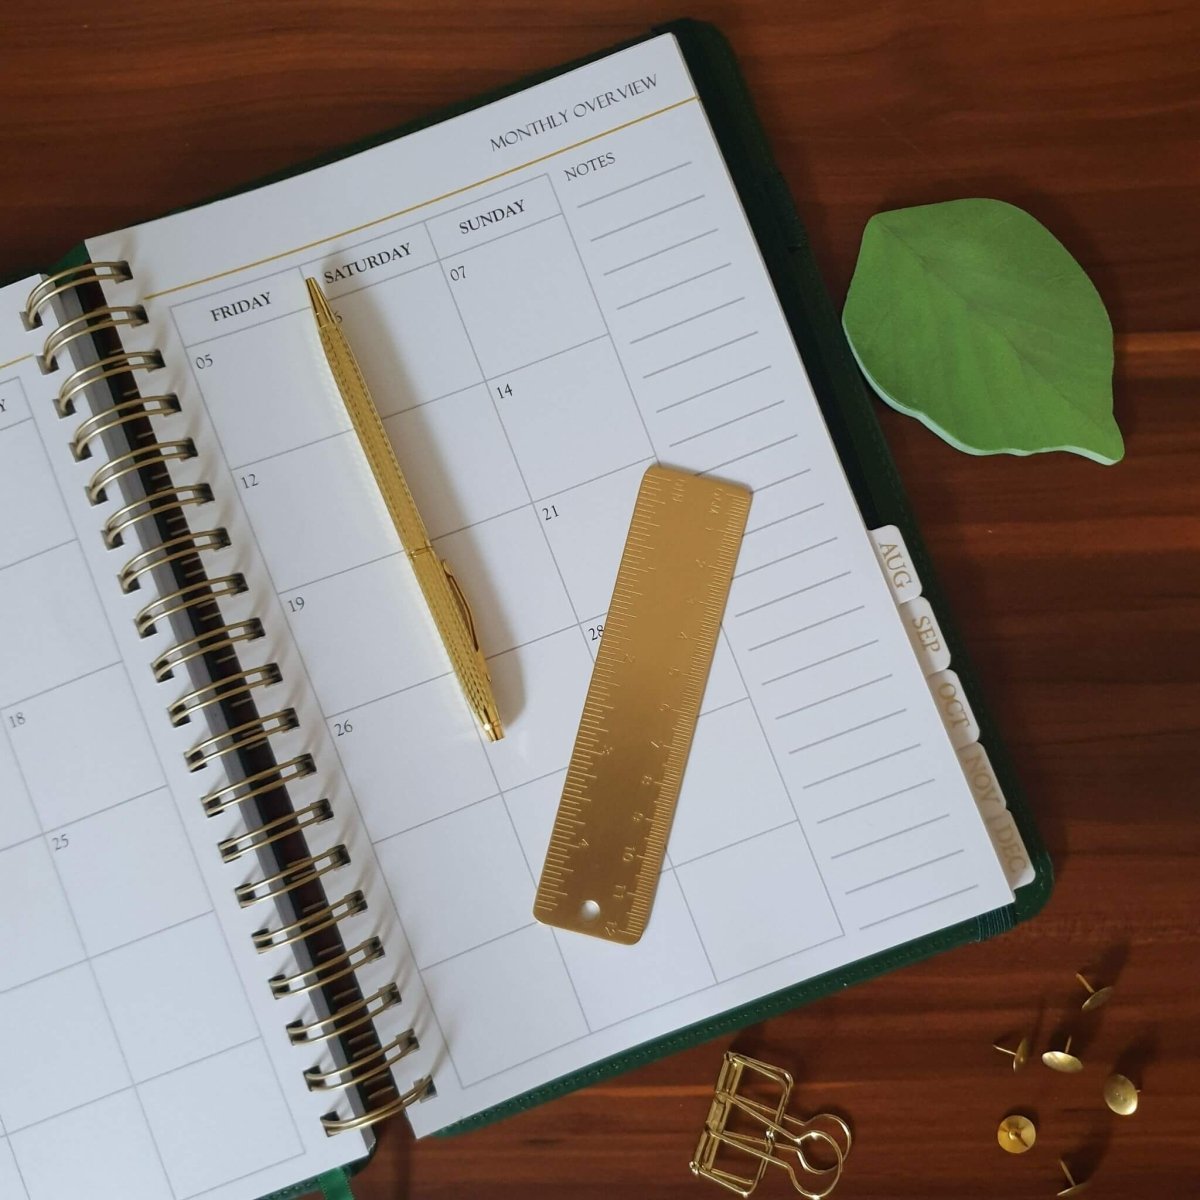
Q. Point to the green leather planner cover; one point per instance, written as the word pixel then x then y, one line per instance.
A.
pixel 850 416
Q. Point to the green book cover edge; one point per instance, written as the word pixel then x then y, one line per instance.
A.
pixel 856 432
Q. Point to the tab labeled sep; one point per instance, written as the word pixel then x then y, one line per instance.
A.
pixel 956 712
pixel 926 637
pixel 896 563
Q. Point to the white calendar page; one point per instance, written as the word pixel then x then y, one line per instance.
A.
pixel 144 1057
pixel 546 295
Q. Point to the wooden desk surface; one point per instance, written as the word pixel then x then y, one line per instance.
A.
pixel 1077 586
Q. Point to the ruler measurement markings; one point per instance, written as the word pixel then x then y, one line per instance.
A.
pixel 611 831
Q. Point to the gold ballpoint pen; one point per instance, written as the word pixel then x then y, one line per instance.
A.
pixel 447 604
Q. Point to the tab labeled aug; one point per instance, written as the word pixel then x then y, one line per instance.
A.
pixel 897 563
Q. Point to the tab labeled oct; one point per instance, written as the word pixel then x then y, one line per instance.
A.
pixel 951 699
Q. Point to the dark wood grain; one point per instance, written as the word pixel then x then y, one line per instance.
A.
pixel 1076 586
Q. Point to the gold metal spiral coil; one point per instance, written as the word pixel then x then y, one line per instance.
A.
pixel 334 1124
pixel 315 921
pixel 329 970
pixel 114 366
pixel 360 1070
pixel 211 641
pixel 241 683
pixel 195 595
pixel 261 836
pixel 172 550
pixel 119 414
pixel 245 736
pixel 68 281
pixel 163 540
pixel 87 325
pixel 135 460
pixel 359 1014
pixel 296 874
pixel 258 784
pixel 166 500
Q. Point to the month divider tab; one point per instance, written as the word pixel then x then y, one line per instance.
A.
pixel 993 808
pixel 925 635
pixel 896 563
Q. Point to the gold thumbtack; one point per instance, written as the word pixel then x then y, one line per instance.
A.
pixel 1097 997
pixel 1020 1055
pixel 1062 1060
pixel 1120 1095
pixel 1072 1188
pixel 1016 1134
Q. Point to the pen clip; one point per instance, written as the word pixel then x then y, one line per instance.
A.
pixel 463 606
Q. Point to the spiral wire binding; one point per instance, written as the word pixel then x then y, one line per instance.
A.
pixel 369 1064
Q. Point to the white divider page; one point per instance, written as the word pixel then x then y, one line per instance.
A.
pixel 565 290
pixel 144 1057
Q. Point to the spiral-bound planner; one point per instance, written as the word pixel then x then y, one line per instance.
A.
pixel 262 882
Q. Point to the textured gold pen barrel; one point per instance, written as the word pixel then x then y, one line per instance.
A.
pixel 447 604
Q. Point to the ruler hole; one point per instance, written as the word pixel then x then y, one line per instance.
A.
pixel 589 910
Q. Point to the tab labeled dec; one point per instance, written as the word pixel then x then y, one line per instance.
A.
pixel 993 808
pixel 897 563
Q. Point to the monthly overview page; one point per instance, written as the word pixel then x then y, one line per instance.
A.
pixel 546 295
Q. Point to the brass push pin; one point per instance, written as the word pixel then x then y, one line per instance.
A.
pixel 1097 997
pixel 1020 1055
pixel 1072 1188
pixel 1120 1095
pixel 1063 1060
pixel 1016 1134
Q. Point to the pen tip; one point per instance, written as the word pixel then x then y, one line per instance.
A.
pixel 320 305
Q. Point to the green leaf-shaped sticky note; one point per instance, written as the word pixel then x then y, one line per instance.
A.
pixel 972 317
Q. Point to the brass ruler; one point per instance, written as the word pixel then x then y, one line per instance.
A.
pixel 610 834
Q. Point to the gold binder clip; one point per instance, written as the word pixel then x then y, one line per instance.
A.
pixel 768 1133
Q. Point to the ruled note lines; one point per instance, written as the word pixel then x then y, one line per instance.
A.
pixel 843 732
pixel 820 662
pixel 887 837
pixel 656 253
pixel 686 321
pixel 784 557
pixel 788 595
pixel 715 388
pixel 918 907
pixel 860 766
pixel 780 520
pixel 862 887
pixel 636 183
pixel 904 791
pixel 671 286
pixel 662 212
pixel 700 354
pixel 791 437
pixel 858 687
pixel 754 412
